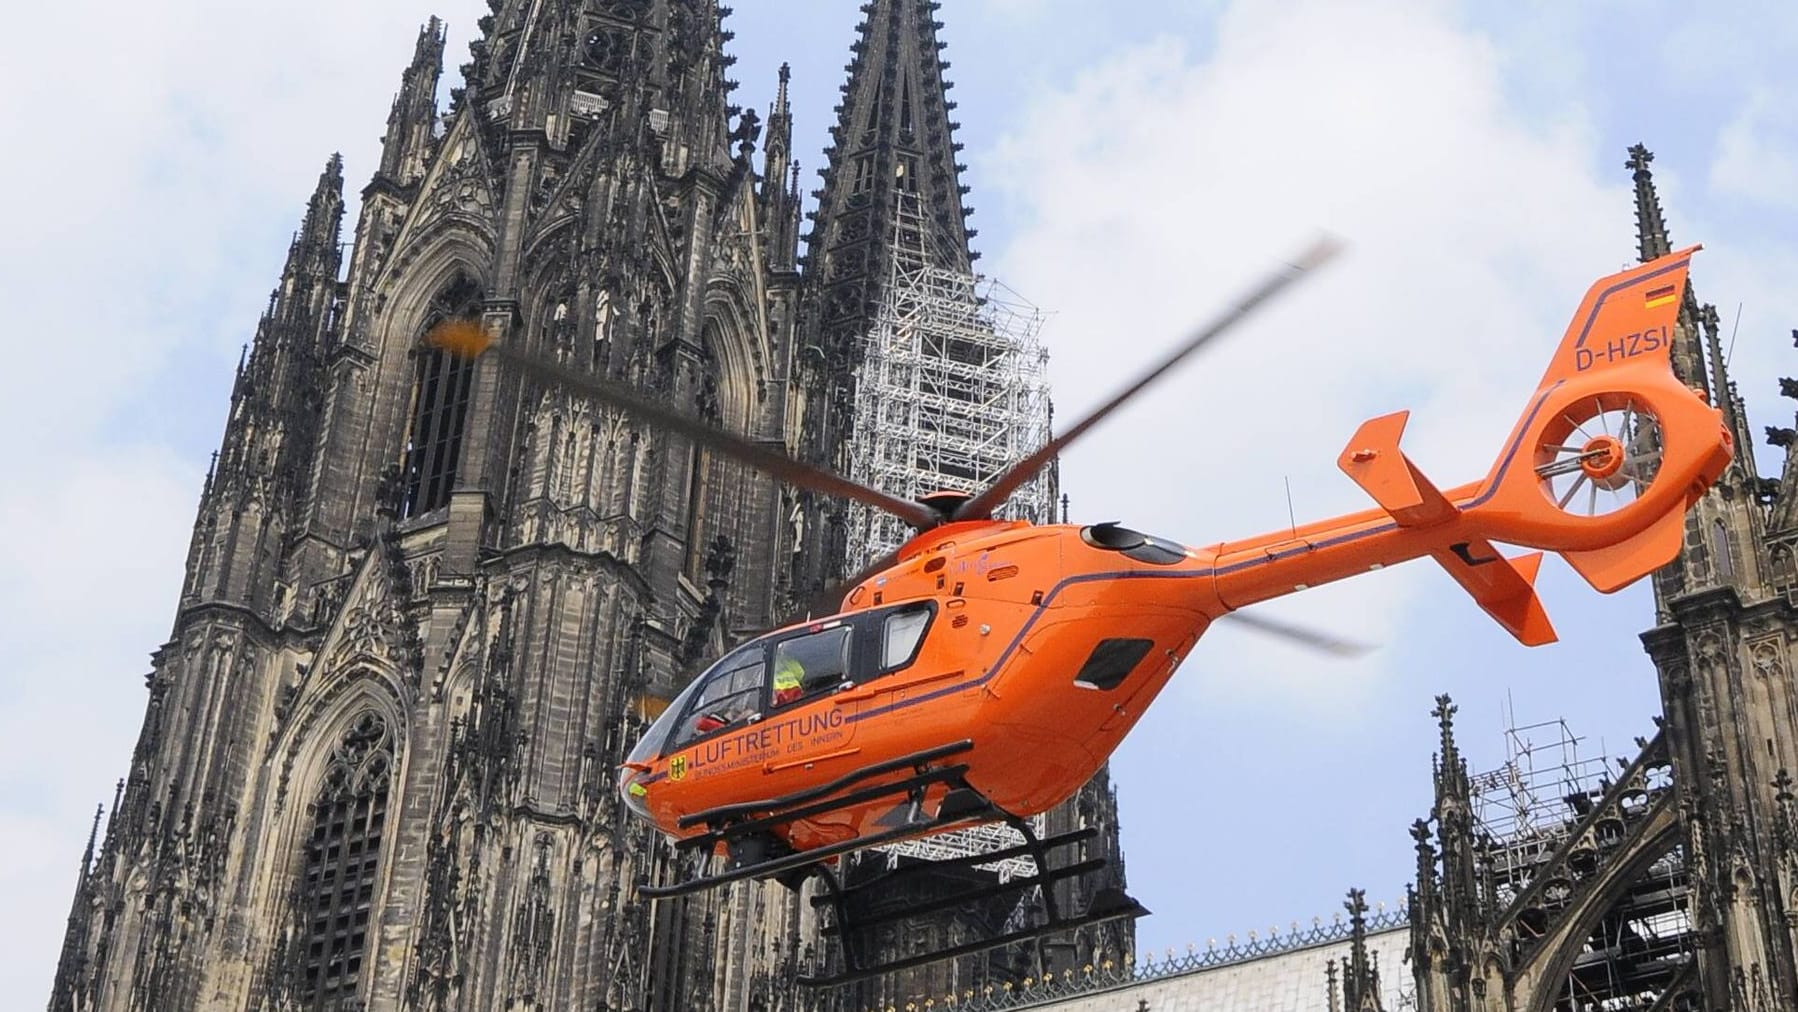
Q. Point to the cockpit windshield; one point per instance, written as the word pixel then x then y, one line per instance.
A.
pixel 743 663
pixel 786 668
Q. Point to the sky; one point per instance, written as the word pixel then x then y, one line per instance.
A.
pixel 1132 166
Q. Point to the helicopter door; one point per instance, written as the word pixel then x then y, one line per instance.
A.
pixel 806 712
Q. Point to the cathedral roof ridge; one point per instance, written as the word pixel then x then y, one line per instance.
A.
pixel 1109 971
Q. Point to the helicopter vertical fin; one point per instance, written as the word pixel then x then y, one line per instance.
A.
pixel 1610 395
pixel 1503 588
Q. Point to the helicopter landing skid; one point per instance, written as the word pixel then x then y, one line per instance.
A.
pixel 1107 905
pixel 745 830
pixel 741 827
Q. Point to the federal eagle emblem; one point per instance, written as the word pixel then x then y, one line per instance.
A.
pixel 677 767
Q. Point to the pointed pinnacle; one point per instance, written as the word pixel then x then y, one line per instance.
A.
pixel 1651 226
pixel 87 856
pixel 430 41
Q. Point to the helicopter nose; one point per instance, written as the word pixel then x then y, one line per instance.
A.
pixel 634 792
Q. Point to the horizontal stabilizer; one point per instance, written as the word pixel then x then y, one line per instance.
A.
pixel 1504 588
pixel 1613 568
pixel 1375 462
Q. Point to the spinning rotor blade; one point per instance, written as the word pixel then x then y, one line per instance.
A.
pixel 1300 635
pixel 1014 477
pixel 469 340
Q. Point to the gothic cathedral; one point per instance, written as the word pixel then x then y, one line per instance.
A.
pixel 428 604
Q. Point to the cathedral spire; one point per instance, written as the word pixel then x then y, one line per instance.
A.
pixel 1360 975
pixel 1724 532
pixel 313 258
pixel 1723 392
pixel 1455 827
pixel 1652 241
pixel 265 456
pixel 891 183
pixel 894 136
pixel 1451 768
pixel 1651 228
pixel 411 126
pixel 71 968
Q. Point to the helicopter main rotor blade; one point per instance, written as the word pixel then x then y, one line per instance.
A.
pixel 1299 635
pixel 467 339
pixel 1015 476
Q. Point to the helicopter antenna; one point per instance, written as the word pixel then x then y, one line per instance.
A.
pixel 1320 252
pixel 1291 517
pixel 1732 336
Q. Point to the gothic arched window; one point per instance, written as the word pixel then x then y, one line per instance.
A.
pixel 706 481
pixel 440 394
pixel 1726 563
pixel 336 889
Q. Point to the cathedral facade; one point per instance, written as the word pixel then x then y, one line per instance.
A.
pixel 428 605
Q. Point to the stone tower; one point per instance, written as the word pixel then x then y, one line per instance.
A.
pixel 1671 881
pixel 1723 645
pixel 893 140
pixel 892 178
pixel 428 603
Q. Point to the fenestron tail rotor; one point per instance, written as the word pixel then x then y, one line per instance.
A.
pixel 1599 455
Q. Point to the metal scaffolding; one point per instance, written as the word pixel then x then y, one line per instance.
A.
pixel 1522 805
pixel 1527 811
pixel 951 390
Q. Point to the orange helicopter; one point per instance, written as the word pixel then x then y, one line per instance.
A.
pixel 986 669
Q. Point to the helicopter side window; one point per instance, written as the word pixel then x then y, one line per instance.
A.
pixel 731 694
pixel 807 665
pixel 901 634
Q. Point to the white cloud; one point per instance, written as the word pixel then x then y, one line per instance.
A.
pixel 1756 159
pixel 1155 184
pixel 172 149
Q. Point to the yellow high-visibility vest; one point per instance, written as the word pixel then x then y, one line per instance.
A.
pixel 787 673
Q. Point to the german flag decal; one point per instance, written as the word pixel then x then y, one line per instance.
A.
pixel 1658 297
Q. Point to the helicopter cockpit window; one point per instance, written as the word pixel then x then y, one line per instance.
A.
pixel 804 665
pixel 732 692
pixel 901 634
